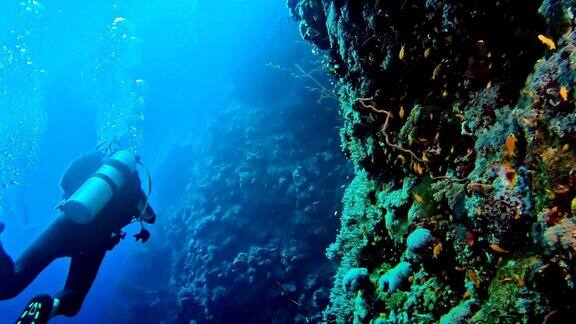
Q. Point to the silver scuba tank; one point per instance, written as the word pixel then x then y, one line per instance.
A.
pixel 86 202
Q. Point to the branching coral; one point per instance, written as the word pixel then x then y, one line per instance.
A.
pixel 369 104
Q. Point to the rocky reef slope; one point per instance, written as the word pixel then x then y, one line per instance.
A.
pixel 250 237
pixel 460 121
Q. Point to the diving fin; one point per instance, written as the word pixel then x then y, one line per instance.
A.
pixel 143 236
pixel 37 311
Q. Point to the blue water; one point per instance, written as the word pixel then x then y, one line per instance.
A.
pixel 150 73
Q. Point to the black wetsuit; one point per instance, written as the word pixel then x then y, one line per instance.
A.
pixel 85 244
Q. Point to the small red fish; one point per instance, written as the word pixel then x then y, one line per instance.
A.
pixel 470 239
pixel 510 174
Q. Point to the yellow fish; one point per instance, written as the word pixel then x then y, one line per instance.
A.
pixel 547 41
pixel 564 93
pixel 401 54
pixel 437 250
pixel 427 53
pixel 418 198
pixel 436 71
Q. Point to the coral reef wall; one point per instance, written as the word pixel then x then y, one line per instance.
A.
pixel 459 119
pixel 262 199
pixel 253 205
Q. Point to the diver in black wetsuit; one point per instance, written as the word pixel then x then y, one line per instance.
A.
pixel 86 244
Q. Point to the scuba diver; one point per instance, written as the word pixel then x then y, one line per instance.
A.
pixel 102 194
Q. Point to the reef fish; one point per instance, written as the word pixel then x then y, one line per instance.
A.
pixel 547 41
pixel 519 280
pixel 564 93
pixel 474 278
pixel 437 250
pixel 436 71
pixel 510 145
pixel 470 238
pixel 426 53
pixel 418 168
pixel 418 199
pixel 510 174
pixel 497 248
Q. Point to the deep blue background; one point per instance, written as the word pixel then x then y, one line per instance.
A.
pixel 195 56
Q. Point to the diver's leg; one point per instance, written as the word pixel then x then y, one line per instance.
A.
pixel 16 276
pixel 83 269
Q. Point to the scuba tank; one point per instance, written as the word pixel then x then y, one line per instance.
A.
pixel 90 198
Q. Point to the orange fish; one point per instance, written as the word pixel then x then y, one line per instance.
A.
pixel 474 278
pixel 510 145
pixel 497 248
pixel 437 250
pixel 418 168
pixel 519 280
pixel 564 93
pixel 506 280
pixel 547 41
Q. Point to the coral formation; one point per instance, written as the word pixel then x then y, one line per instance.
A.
pixel 460 122
pixel 419 241
pixel 396 277
pixel 354 279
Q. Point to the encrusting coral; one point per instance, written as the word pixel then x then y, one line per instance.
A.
pixel 460 122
